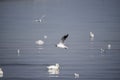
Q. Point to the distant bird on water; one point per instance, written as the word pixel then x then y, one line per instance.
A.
pixel 109 46
pixel 18 51
pixel 61 43
pixel 1 72
pixel 92 35
pixel 45 36
pixel 39 42
pixel 53 67
pixel 76 75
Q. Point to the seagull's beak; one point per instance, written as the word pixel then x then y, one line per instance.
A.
pixel 66 48
pixel 55 45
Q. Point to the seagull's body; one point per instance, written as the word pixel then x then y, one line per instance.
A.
pixel 92 35
pixel 39 42
pixel 61 43
pixel 38 20
pixel 76 75
pixel 109 46
pixel 18 51
pixel 45 36
pixel 1 72
pixel 41 19
pixel 53 67
pixel 102 50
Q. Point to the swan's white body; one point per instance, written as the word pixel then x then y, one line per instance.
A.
pixel 61 43
pixel 53 67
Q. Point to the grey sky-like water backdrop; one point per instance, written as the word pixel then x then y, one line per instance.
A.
pixel 19 30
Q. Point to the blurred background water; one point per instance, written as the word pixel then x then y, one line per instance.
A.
pixel 22 59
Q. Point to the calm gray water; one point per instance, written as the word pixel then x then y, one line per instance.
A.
pixel 19 30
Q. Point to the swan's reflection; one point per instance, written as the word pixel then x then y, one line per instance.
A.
pixel 53 71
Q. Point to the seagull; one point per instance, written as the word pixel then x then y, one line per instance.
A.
pixel 39 42
pixel 54 67
pixel 41 19
pixel 38 20
pixel 92 35
pixel 18 51
pixel 1 72
pixel 53 71
pixel 61 43
pixel 76 75
pixel 102 50
pixel 45 36
pixel 109 46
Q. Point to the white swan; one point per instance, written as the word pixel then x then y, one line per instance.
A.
pixel 61 43
pixel 54 67
pixel 76 75
pixel 1 73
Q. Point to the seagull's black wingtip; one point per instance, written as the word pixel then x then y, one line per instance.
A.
pixel 67 34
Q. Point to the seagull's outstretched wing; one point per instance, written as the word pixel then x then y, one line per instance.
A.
pixel 64 38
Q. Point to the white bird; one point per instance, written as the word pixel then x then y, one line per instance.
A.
pixel 1 73
pixel 18 51
pixel 76 75
pixel 39 42
pixel 41 19
pixel 61 43
pixel 38 20
pixel 92 35
pixel 54 67
pixel 102 50
pixel 45 36
pixel 109 46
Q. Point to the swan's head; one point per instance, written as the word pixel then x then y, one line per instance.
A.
pixel 57 65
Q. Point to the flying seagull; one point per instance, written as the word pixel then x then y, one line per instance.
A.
pixel 61 43
pixel 41 19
